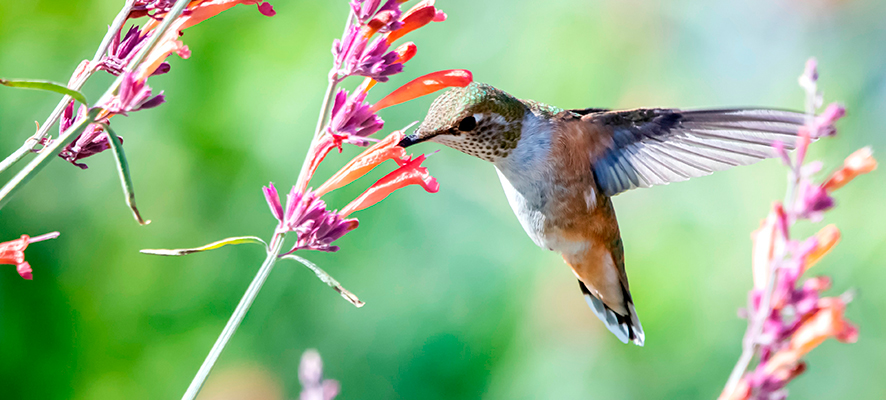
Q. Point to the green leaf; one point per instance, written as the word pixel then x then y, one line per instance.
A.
pixel 211 246
pixel 123 170
pixel 47 86
pixel 327 279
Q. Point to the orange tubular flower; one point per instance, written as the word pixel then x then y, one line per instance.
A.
pixel 761 255
pixel 197 12
pixel 425 85
pixel 827 238
pixel 827 322
pixel 13 253
pixel 404 53
pixel 410 173
pixel 386 149
pixel 860 162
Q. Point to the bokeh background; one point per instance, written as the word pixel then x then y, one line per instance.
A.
pixel 460 303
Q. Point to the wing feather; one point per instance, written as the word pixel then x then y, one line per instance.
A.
pixel 658 146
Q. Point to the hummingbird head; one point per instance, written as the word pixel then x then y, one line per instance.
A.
pixel 478 120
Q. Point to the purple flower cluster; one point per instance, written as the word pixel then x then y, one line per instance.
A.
pixel 133 95
pixel 93 140
pixel 307 216
pixel 353 55
pixel 352 119
pixel 121 52
pixel 388 14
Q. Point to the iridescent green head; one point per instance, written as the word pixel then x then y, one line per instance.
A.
pixel 478 120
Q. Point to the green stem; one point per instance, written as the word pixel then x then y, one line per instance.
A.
pixel 33 167
pixel 303 177
pixel 236 318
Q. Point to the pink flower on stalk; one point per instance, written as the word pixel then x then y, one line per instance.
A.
pixel 133 95
pixel 121 52
pixel 316 226
pixel 353 55
pixel 352 119
pixel 92 141
pixel 13 253
pixel 307 216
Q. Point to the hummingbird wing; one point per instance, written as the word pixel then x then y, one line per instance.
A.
pixel 655 146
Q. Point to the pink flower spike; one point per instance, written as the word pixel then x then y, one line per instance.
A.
pixel 411 173
pixel 424 85
pixel 273 200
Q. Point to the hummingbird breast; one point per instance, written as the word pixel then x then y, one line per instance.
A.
pixel 549 185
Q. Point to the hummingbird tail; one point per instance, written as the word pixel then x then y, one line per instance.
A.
pixel 625 327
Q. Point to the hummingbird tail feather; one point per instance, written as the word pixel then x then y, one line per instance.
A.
pixel 625 327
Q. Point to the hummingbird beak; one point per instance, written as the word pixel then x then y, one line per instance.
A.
pixel 410 140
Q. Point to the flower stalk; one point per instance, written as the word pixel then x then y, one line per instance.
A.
pixel 236 318
pixel 787 317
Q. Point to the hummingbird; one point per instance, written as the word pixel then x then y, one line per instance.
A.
pixel 560 168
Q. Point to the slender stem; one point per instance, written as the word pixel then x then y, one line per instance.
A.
pixel 236 317
pixel 43 158
pixel 77 83
pixel 324 109
pixel 303 177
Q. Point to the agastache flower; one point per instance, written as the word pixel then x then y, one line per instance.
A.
pixel 92 140
pixel 307 216
pixel 860 162
pixel 133 95
pixel 352 119
pixel 353 55
pixel 411 173
pixel 317 227
pixel 386 149
pixel 121 52
pixel 13 253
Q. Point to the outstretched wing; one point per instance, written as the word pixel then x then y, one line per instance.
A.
pixel 658 146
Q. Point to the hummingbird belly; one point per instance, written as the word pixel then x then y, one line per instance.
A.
pixel 531 208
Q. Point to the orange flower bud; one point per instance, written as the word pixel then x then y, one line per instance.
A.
pixel 384 150
pixel 860 162
pixel 425 85
pixel 827 238
pixel 410 173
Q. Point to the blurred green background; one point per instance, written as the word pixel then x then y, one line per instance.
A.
pixel 460 303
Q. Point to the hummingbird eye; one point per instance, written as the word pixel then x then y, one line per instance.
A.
pixel 468 124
